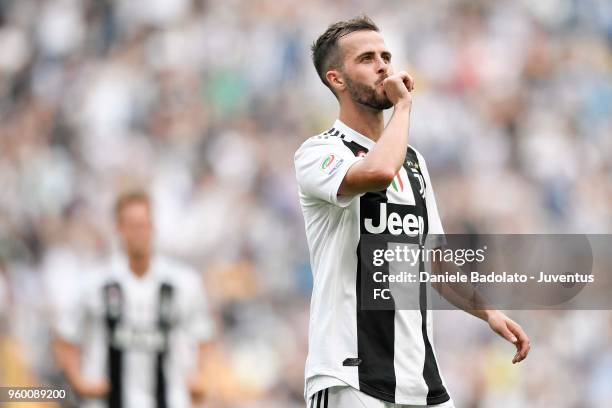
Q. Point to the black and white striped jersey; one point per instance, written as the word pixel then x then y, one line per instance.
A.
pixel 139 333
pixel 387 354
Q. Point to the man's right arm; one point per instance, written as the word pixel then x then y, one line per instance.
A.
pixel 386 158
pixel 68 338
pixel 68 356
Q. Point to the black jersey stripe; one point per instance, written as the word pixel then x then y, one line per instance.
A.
pixel 160 381
pixel 375 328
pixel 113 299
pixel 164 321
pixel 436 394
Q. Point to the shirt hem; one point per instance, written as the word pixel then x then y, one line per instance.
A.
pixel 373 392
pixel 376 393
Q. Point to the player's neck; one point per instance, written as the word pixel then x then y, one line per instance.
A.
pixel 365 120
pixel 139 264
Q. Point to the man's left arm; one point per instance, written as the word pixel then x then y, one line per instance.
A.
pixel 466 297
pixel 200 327
pixel 196 382
pixel 462 295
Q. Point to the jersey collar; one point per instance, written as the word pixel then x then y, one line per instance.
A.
pixel 351 135
pixel 120 266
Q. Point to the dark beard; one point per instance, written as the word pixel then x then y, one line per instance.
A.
pixel 366 95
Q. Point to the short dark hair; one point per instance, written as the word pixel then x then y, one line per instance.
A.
pixel 325 51
pixel 131 197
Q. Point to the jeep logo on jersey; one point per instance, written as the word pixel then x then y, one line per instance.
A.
pixel 138 338
pixel 331 163
pixel 410 224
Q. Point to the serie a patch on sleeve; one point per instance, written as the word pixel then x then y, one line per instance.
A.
pixel 331 163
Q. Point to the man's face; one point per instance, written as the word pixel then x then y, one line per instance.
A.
pixel 366 63
pixel 135 228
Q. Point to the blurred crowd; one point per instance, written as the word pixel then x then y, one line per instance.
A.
pixel 203 103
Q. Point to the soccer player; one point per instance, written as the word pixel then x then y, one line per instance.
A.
pixel 139 335
pixel 357 179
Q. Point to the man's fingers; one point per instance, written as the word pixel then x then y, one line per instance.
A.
pixel 507 334
pixel 517 331
pixel 407 79
pixel 410 83
pixel 514 333
pixel 521 354
pixel 404 77
pixel 522 343
pixel 523 349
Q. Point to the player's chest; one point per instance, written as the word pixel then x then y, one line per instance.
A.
pixel 134 312
pixel 143 301
pixel 408 186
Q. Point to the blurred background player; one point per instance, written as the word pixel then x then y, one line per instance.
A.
pixel 138 335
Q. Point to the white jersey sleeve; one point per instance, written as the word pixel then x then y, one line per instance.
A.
pixel 436 231
pixel 320 165
pixel 71 323
pixel 198 322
